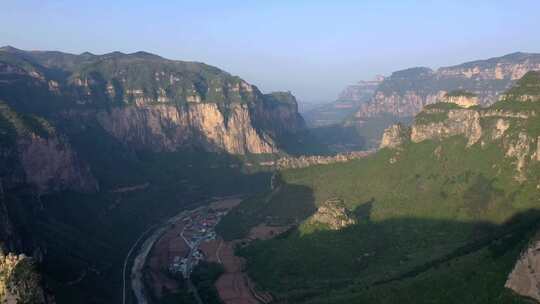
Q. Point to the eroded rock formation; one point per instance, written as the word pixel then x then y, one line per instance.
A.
pixel 20 283
pixel 395 136
pixel 508 124
pixel 525 277
pixel 306 161
pixel 333 214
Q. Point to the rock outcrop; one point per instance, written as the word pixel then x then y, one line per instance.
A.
pixel 332 214
pixel 20 283
pixel 526 90
pixel 290 162
pixel 458 122
pixel 395 136
pixel 525 277
pixel 461 98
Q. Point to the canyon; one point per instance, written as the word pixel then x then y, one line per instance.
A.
pixel 83 124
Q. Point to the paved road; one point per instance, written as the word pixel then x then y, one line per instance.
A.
pixel 136 276
pixel 148 238
pixel 126 260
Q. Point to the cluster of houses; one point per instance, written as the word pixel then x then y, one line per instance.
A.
pixel 198 227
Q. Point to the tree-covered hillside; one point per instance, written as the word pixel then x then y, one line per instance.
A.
pixel 441 218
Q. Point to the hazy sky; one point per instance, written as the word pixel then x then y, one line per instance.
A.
pixel 312 48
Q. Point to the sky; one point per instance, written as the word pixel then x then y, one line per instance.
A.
pixel 311 48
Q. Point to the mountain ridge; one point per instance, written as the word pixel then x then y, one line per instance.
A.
pixel 405 92
pixel 173 90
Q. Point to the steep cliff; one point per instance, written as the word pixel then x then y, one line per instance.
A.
pixel 20 281
pixel 34 153
pixel 169 128
pixel 525 277
pixel 303 161
pixel 406 92
pixel 362 91
pixel 509 123
pixel 150 102
pixel 332 214
pixel 461 98
pixel 395 136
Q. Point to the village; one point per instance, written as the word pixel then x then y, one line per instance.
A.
pixel 183 243
pixel 198 227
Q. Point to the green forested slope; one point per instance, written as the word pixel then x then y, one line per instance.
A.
pixel 438 221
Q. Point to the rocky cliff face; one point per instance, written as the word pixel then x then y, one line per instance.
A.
pixel 406 92
pixel 290 162
pixel 508 123
pixel 395 136
pixel 169 128
pixel 463 99
pixel 34 153
pixel 52 165
pixel 458 122
pixel 32 156
pixel 525 277
pixel 19 281
pixel 362 91
pixel 150 102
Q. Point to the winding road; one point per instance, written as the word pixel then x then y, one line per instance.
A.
pixel 136 276
pixel 141 249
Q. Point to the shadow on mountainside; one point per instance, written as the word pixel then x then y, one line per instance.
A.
pixel 269 208
pixel 413 260
pixel 84 237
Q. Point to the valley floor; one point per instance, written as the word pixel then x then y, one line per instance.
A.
pixel 168 253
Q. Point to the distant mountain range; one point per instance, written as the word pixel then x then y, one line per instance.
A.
pixel 362 111
pixel 406 92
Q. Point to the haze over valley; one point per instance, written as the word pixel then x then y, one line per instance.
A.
pixel 248 153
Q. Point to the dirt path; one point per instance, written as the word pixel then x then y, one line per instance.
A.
pixel 234 286
pixel 265 232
